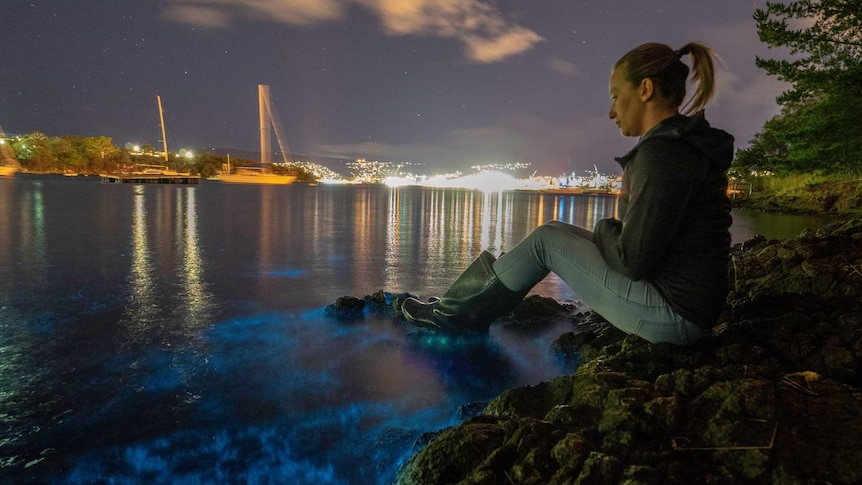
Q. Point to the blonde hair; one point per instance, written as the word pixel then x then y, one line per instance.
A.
pixel 669 74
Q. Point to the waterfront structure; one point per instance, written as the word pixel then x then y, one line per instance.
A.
pixel 151 178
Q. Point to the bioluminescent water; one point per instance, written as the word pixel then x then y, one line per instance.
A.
pixel 177 334
pixel 275 397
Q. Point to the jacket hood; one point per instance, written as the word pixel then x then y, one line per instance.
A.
pixel 715 144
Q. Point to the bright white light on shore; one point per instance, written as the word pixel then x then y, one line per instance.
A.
pixel 483 181
pixel 400 181
pixel 136 148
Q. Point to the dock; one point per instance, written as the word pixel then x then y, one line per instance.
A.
pixel 151 179
pixel 739 188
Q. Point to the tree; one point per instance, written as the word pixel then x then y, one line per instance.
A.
pixel 115 161
pixel 766 153
pixel 207 164
pixel 818 125
pixel 34 152
pixel 65 154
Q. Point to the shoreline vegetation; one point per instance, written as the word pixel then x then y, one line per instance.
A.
pixel 771 396
pixel 806 193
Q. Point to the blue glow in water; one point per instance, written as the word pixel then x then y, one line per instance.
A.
pixel 284 398
pixel 284 273
pixel 251 456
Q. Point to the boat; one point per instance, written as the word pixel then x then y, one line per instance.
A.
pixel 154 174
pixel 262 174
pixel 254 175
pixel 7 170
pixel 147 169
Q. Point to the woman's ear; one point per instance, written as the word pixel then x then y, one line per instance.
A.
pixel 646 90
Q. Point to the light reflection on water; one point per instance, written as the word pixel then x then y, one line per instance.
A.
pixel 173 332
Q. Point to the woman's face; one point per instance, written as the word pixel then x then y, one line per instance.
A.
pixel 627 108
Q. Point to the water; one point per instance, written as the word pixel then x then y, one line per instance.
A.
pixel 176 333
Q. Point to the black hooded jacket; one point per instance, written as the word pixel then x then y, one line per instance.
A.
pixel 674 215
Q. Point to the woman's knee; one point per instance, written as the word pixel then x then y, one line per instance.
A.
pixel 543 231
pixel 571 229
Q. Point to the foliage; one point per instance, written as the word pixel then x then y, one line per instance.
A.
pixel 829 32
pixel 39 153
pixel 797 182
pixel 818 127
pixel 302 174
pixel 207 164
pixel 806 192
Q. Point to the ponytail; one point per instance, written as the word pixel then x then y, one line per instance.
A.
pixel 669 74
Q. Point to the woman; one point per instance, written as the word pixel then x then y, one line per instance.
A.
pixel 660 271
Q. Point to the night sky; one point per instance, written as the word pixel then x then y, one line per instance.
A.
pixel 446 83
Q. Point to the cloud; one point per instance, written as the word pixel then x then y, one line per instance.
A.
pixel 199 16
pixel 487 37
pixel 513 42
pixel 485 34
pixel 220 13
pixel 566 68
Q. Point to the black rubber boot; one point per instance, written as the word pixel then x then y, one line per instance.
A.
pixel 474 300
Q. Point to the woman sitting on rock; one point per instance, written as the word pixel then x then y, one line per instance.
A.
pixel 660 270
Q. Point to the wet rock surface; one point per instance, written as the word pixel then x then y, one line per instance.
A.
pixel 774 395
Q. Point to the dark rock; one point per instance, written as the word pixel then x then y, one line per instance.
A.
pixel 819 427
pixel 774 395
pixel 385 304
pixel 452 453
pixel 377 303
pixel 471 409
pixel 381 303
pixel 600 469
pixel 346 308
pixel 537 313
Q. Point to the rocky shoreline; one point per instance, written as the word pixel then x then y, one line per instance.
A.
pixel 774 395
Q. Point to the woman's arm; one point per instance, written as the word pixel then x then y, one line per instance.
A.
pixel 661 179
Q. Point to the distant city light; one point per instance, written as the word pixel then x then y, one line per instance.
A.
pixel 483 181
pixel 490 177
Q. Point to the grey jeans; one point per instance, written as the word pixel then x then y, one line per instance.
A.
pixel 632 306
